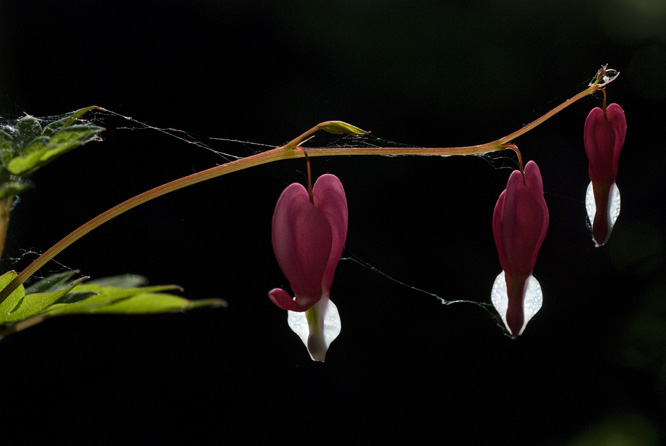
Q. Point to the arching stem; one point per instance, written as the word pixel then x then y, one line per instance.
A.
pixel 290 151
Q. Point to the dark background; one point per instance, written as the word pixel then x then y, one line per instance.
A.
pixel 590 368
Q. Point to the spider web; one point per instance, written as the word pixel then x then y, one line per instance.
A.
pixel 133 124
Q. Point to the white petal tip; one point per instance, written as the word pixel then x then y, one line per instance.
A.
pixel 614 203
pixel 317 327
pixel 532 300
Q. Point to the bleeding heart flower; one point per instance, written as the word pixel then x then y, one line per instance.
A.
pixel 603 137
pixel 520 222
pixel 308 235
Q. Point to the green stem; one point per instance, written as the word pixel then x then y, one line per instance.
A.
pixel 5 210
pixel 512 136
pixel 288 151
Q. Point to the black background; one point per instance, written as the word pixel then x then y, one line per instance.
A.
pixel 405 368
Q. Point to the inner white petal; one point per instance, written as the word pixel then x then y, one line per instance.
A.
pixel 532 299
pixel 613 205
pixel 590 205
pixel 332 326
pixel 299 324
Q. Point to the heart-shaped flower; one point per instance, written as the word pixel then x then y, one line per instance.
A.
pixel 308 235
pixel 520 222
pixel 603 137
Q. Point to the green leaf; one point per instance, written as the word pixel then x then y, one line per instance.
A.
pixel 25 146
pixel 122 281
pixel 37 303
pixel 13 300
pixel 150 303
pixel 13 188
pixel 6 146
pixel 51 283
pixel 57 295
pixel 27 128
pixel 340 128
pixel 67 121
pixel 36 145
pixel 114 300
pixel 11 185
pixel 43 150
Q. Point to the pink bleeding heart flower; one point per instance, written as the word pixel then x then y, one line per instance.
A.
pixel 520 222
pixel 603 137
pixel 308 239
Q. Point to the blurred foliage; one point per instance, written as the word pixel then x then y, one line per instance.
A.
pixel 638 249
pixel 638 246
pixel 644 341
pixel 619 430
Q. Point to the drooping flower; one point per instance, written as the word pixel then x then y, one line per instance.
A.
pixel 603 137
pixel 520 222
pixel 308 234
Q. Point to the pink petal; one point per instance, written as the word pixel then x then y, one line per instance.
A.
pixel 329 197
pixel 302 240
pixel 603 141
pixel 603 138
pixel 498 229
pixel 619 123
pixel 283 300
pixel 520 221
pixel 533 179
